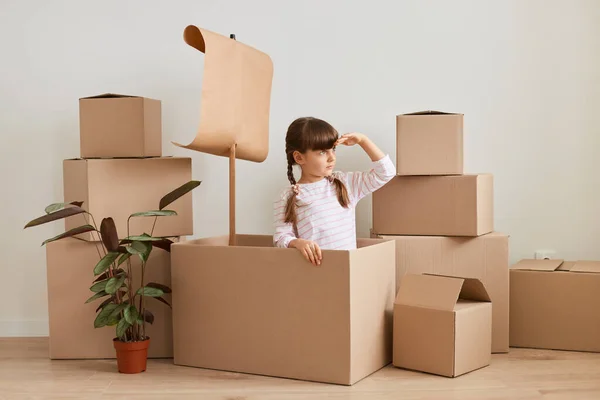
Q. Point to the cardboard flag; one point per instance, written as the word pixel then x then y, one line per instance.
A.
pixel 236 96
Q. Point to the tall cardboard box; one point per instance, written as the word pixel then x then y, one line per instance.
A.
pixel 442 325
pixel 256 309
pixel 429 143
pixel 118 188
pixel 484 258
pixel 114 125
pixel 435 205
pixel 554 305
pixel 70 265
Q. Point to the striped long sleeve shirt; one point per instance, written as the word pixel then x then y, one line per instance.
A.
pixel 320 216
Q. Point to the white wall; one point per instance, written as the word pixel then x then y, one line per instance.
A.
pixel 526 73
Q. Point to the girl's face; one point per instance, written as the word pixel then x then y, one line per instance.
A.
pixel 316 163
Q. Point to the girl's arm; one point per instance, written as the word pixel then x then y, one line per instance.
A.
pixel 361 184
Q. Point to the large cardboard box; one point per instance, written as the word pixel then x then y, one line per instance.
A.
pixel 435 205
pixel 253 308
pixel 118 188
pixel 429 143
pixel 442 325
pixel 554 305
pixel 69 268
pixel 113 125
pixel 484 258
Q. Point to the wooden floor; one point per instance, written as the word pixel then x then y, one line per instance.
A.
pixel 27 373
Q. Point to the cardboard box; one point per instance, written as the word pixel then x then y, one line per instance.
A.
pixel 442 325
pixel 253 308
pixel 484 258
pixel 429 143
pixel 118 188
pixel 113 125
pixel 554 305
pixel 70 264
pixel 435 205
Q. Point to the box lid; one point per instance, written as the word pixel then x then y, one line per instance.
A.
pixel 438 291
pixel 431 112
pixel 108 96
pixel 557 265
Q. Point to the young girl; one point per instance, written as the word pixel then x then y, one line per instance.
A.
pixel 318 211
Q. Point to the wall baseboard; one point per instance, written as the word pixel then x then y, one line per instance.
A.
pixel 24 328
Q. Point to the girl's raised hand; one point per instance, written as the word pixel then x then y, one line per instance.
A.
pixel 350 139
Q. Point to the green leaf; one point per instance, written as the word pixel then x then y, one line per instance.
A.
pixel 114 284
pixel 122 327
pixel 154 213
pixel 70 232
pixel 103 316
pixel 123 258
pixel 105 262
pixel 60 214
pixel 105 302
pixel 99 286
pixel 142 249
pixel 58 206
pixel 99 294
pixel 108 231
pixel 116 272
pixel 150 292
pixel 162 300
pixel 131 314
pixel 148 317
pixel 141 238
pixel 113 320
pixel 177 193
pixel 160 286
pixel 120 307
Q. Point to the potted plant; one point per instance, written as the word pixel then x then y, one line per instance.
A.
pixel 124 304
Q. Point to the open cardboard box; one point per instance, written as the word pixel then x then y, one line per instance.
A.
pixel 442 325
pixel 554 305
pixel 257 309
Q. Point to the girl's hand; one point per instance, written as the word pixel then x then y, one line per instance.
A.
pixel 350 139
pixel 309 249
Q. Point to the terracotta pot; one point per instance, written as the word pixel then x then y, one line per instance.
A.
pixel 131 357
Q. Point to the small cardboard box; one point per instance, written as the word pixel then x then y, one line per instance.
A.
pixel 256 309
pixel 484 257
pixel 554 305
pixel 442 325
pixel 69 268
pixel 435 205
pixel 429 143
pixel 114 125
pixel 118 188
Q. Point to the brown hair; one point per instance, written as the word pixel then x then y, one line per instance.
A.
pixel 306 134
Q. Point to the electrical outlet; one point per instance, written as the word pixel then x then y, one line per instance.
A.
pixel 545 255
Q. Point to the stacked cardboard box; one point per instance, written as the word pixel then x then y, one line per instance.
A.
pixel 121 171
pixel 440 217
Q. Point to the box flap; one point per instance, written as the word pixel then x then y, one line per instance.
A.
pixel 537 265
pixel 586 266
pixel 429 291
pixel 473 289
pixel 108 96
pixel 431 112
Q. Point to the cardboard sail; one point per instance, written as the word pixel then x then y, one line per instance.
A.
pixel 236 96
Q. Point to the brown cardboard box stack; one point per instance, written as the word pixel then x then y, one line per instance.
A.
pixel 442 222
pixel 121 171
